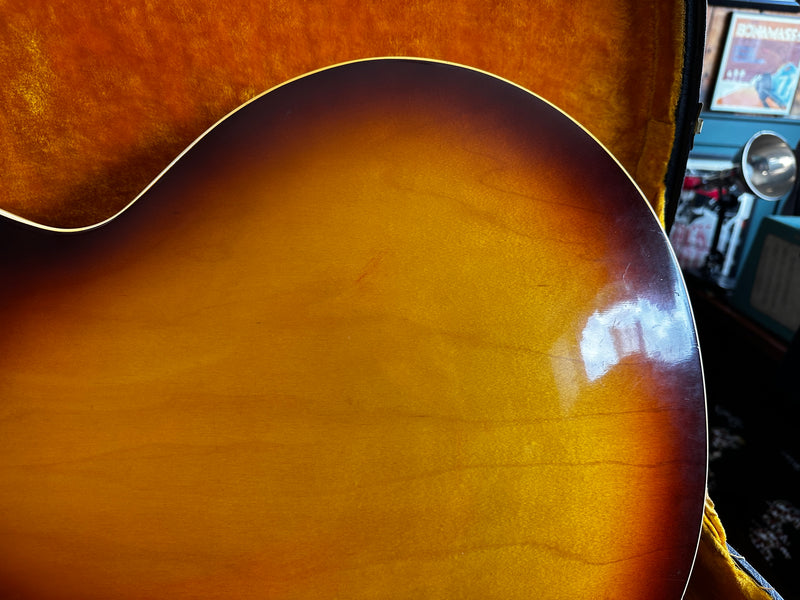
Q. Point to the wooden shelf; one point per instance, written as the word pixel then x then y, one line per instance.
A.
pixel 711 305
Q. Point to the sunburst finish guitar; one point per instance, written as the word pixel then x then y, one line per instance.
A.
pixel 395 329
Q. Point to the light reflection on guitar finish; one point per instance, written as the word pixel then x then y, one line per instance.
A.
pixel 636 328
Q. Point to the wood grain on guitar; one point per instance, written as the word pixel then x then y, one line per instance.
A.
pixel 394 329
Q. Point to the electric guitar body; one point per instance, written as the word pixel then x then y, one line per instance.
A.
pixel 394 329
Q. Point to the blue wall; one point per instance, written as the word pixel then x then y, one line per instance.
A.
pixel 724 134
pixel 721 138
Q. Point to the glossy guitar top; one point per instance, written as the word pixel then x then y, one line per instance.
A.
pixel 396 328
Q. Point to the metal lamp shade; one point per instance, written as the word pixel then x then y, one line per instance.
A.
pixel 768 165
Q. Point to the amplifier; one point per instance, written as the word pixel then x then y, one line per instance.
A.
pixel 768 287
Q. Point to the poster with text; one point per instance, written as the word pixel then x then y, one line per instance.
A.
pixel 760 66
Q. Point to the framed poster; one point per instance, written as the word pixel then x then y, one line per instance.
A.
pixel 785 5
pixel 760 66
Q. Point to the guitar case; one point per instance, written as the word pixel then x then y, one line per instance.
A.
pixel 350 300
